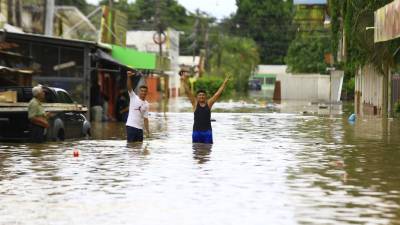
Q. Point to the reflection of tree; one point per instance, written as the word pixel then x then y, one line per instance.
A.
pixel 360 156
pixel 201 152
pixel 42 162
pixel 4 157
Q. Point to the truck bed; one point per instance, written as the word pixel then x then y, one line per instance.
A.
pixel 48 107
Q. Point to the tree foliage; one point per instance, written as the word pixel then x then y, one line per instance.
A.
pixel 142 13
pixel 269 23
pixel 306 53
pixel 211 84
pixel 355 16
pixel 237 56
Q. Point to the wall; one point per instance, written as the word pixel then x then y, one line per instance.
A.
pixel 310 87
pixel 368 91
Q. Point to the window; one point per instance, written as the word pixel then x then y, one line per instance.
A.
pixel 63 97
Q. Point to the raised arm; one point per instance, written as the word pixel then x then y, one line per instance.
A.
pixel 217 94
pixel 129 74
pixel 188 91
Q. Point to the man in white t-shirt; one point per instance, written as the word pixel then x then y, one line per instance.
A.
pixel 138 112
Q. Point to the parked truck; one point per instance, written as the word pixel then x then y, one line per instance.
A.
pixel 68 121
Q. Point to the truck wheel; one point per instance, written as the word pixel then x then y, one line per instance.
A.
pixel 87 134
pixel 60 135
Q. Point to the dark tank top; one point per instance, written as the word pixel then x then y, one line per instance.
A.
pixel 202 118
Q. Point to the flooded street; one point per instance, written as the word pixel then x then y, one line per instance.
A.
pixel 269 164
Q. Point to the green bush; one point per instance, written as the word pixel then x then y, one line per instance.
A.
pixel 397 107
pixel 349 85
pixel 211 84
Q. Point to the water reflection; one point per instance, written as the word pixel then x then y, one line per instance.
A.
pixel 201 152
pixel 139 148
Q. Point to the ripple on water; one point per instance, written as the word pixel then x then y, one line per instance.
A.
pixel 263 168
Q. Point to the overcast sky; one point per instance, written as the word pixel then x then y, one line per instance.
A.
pixel 216 8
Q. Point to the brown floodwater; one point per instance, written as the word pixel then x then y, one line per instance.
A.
pixel 287 163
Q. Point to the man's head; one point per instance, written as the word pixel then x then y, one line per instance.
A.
pixel 38 92
pixel 142 92
pixel 183 73
pixel 201 96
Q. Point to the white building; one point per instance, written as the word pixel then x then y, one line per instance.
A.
pixel 144 41
pixel 305 87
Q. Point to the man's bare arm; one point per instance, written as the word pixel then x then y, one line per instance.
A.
pixel 217 94
pixel 146 126
pixel 188 91
pixel 129 80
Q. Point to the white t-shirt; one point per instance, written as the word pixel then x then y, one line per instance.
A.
pixel 138 110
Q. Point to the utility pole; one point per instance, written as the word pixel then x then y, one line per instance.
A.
pixel 159 28
pixel 206 46
pixel 49 18
pixel 110 14
pixel 194 35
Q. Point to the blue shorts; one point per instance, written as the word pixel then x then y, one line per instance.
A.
pixel 202 137
pixel 134 134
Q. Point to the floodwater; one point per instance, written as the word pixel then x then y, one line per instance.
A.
pixel 287 163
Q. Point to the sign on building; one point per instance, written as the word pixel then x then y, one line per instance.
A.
pixel 387 22
pixel 113 27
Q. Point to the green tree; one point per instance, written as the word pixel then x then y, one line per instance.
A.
pixel 269 23
pixel 234 55
pixel 306 53
pixel 142 13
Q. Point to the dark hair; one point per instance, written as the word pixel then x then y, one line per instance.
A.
pixel 183 71
pixel 143 86
pixel 201 91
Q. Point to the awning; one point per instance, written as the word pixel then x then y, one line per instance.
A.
pixel 101 55
pixel 133 58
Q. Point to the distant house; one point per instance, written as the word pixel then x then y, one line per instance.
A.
pixel 145 41
pixel 304 87
pixel 268 74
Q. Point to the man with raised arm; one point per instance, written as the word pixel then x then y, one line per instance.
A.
pixel 138 112
pixel 202 131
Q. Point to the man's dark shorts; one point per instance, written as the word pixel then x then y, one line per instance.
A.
pixel 134 134
pixel 37 133
pixel 202 137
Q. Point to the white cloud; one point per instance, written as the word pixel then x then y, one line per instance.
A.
pixel 217 8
